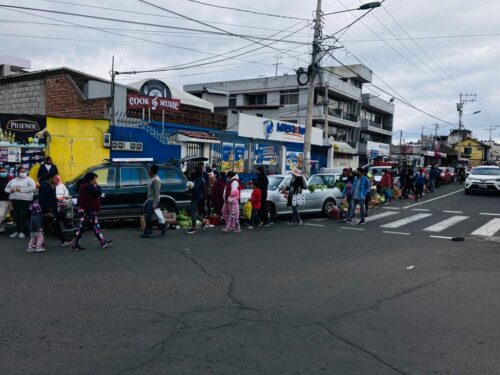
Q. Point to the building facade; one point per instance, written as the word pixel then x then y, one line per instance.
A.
pixel 352 118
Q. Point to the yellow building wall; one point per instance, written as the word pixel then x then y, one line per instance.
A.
pixel 477 154
pixel 76 144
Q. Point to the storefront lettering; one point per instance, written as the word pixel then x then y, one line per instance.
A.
pixel 290 129
pixel 22 126
pixel 154 103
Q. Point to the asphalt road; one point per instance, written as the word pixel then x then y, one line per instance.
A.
pixel 382 298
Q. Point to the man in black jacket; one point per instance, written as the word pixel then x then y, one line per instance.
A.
pixel 45 169
pixel 48 202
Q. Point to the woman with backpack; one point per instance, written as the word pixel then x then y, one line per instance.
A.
pixel 297 184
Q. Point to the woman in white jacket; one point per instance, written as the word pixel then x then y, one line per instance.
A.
pixel 21 191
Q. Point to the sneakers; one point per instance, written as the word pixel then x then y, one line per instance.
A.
pixel 348 222
pixel 31 249
pixel 260 225
pixel 268 224
pixel 250 227
pixel 106 244
pixel 77 248
pixel 191 231
pixel 299 223
pixel 21 235
pixel 40 249
pixel 164 230
pixel 14 235
pixel 361 222
pixel 291 223
pixel 66 243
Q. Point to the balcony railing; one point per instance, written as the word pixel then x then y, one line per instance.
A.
pixel 342 114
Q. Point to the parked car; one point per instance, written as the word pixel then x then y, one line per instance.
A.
pixel 444 176
pixel 124 187
pixel 320 197
pixel 482 179
pixel 453 177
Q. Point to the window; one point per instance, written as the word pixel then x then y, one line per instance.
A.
pixel 232 100
pixel 257 99
pixel 316 180
pixel 133 176
pixel 106 177
pixel 468 150
pixel 170 176
pixel 289 97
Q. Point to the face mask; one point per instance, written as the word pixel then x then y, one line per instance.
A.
pixel 22 175
pixel 3 174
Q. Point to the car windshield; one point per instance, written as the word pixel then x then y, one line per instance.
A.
pixel 274 182
pixel 486 171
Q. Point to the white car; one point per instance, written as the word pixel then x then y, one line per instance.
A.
pixel 322 199
pixel 484 178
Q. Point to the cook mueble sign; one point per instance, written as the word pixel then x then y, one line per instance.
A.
pixel 21 129
pixel 154 103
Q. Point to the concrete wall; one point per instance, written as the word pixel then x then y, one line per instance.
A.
pixel 76 144
pixel 23 97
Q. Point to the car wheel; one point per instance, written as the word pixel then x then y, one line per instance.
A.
pixel 168 205
pixel 271 209
pixel 328 206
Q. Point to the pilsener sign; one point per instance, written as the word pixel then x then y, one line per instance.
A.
pixel 153 102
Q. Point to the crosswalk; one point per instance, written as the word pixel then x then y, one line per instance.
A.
pixel 436 222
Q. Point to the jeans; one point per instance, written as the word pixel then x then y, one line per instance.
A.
pixel 193 209
pixel 255 217
pixel 150 218
pixel 21 215
pixel 295 215
pixel 352 212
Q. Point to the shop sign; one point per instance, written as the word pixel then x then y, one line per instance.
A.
pixel 154 103
pixel 294 160
pixel 381 149
pixel 275 130
pixel 266 155
pixel 20 129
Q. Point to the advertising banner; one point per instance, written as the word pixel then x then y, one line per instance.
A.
pixel 239 158
pixel 227 157
pixel 21 129
pixel 266 155
pixel 378 149
pixel 294 160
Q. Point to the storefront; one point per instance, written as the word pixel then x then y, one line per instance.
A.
pixel 434 157
pixel 22 141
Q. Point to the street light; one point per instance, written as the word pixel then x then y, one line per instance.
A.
pixel 374 4
pixel 473 113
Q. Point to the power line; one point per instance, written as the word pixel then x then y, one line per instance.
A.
pixel 152 14
pixel 246 11
pixel 427 37
pixel 399 99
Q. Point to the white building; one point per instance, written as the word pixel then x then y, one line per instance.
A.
pixel 358 124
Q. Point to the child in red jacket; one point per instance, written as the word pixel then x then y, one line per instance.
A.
pixel 255 199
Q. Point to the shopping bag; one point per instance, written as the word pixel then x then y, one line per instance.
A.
pixel 247 210
pixel 299 200
pixel 159 215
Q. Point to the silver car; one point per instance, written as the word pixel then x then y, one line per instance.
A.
pixel 321 194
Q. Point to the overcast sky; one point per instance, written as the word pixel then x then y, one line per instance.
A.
pixel 448 47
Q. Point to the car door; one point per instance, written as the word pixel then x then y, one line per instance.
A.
pixel 132 192
pixel 281 203
pixel 106 179
pixel 173 184
pixel 314 200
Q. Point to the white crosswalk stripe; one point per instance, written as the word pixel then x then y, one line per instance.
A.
pixel 381 215
pixel 405 221
pixel 442 225
pixel 489 229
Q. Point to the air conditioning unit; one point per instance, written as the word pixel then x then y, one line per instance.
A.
pixel 106 140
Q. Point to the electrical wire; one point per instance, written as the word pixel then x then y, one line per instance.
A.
pixel 247 11
pixel 395 97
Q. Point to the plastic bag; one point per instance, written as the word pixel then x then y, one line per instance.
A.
pixel 159 214
pixel 298 200
pixel 247 210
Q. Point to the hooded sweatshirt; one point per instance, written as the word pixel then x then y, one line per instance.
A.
pixel 26 185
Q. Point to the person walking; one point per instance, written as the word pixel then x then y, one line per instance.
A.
pixel 89 204
pixel 36 229
pixel 263 185
pixel 197 199
pixel 361 186
pixel 232 184
pixel 47 199
pixel 297 184
pixel 233 221
pixel 218 193
pixel 386 185
pixel 255 199
pixel 21 191
pixel 209 186
pixel 152 202
pixel 410 185
pixel 45 169
pixel 348 191
pixel 419 183
pixel 4 198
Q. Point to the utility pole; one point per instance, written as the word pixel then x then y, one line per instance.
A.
pixel 490 129
pixel 313 70
pixel 113 75
pixel 276 64
pixel 326 103
pixel 464 98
